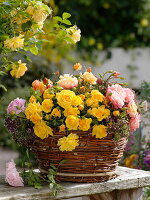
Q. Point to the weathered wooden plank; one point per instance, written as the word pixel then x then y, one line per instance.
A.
pixel 127 179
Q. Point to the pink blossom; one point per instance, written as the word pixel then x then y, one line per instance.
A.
pixel 129 95
pixel 134 123
pixel 68 81
pixel 116 95
pixel 12 175
pixel 16 106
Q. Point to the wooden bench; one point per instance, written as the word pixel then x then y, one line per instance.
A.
pixel 127 186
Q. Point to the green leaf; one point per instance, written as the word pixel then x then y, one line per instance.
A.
pixel 34 50
pixel 66 21
pixel 4 88
pixel 26 26
pixel 57 18
pixel 63 161
pixel 66 15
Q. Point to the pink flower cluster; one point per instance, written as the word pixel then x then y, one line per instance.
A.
pixel 124 97
pixel 12 175
pixel 16 106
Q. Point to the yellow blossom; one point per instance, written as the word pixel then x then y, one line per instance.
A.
pixel 116 113
pixel 38 13
pixel 82 96
pixel 65 98
pixel 68 143
pixel 72 122
pixel 35 118
pixel 84 124
pixel 18 70
pixel 47 105
pixel 100 113
pixel 56 112
pixel 62 128
pixel 42 130
pixel 97 96
pixel 89 77
pixel 77 67
pixel 77 101
pixel 81 107
pixel 47 95
pixel 33 112
pixel 14 43
pixel 129 162
pixel 71 111
pixel 100 131
pixel 74 33
pixel 32 99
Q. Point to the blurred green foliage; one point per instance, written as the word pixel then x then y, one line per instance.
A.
pixel 110 23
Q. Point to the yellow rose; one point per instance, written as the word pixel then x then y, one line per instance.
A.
pixel 92 103
pixel 116 113
pixel 32 99
pixel 71 111
pixel 62 128
pixel 72 122
pixel 77 67
pixel 84 124
pixel 33 112
pixel 77 101
pixel 47 95
pixel 56 113
pixel 65 98
pixel 74 33
pixel 100 113
pixel 81 107
pixel 42 130
pixel 100 131
pixel 97 96
pixel 82 96
pixel 35 118
pixel 18 70
pixel 47 105
pixel 89 77
pixel 68 143
pixel 14 43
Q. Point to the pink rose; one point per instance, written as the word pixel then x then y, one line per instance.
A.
pixel 68 81
pixel 129 95
pixel 117 95
pixel 134 123
pixel 12 175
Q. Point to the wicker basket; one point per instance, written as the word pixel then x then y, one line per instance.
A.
pixel 94 160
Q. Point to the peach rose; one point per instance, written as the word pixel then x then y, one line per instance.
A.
pixel 89 77
pixel 116 95
pixel 132 108
pixel 12 175
pixel 129 95
pixel 37 85
pixel 134 123
pixel 68 81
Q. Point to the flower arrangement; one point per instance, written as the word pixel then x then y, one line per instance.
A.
pixel 80 102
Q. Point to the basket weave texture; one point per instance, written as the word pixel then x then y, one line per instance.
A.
pixel 94 160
